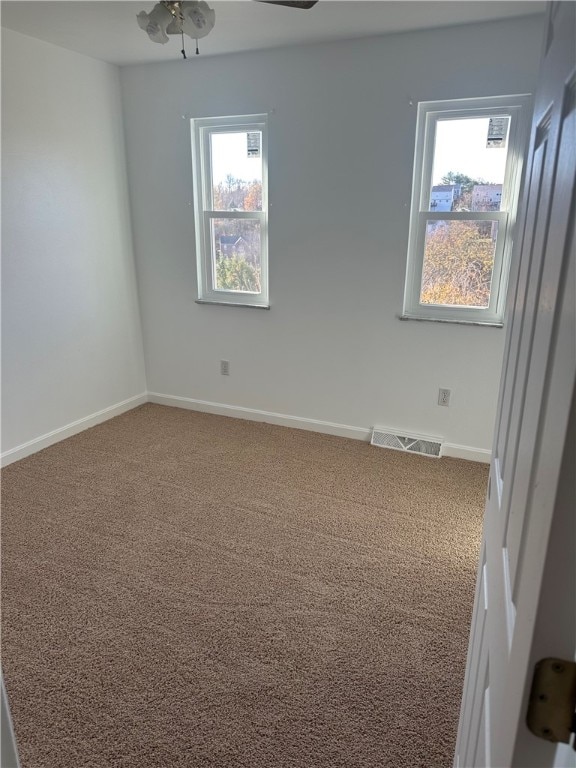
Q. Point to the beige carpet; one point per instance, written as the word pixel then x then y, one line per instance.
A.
pixel 181 589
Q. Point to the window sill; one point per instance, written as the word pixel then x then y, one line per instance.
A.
pixel 232 304
pixel 452 322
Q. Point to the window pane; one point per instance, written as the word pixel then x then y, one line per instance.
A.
pixel 236 160
pixel 236 254
pixel 469 164
pixel 458 263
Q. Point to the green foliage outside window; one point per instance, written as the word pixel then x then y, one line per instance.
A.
pixel 236 274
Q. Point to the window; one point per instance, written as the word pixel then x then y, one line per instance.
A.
pixel 231 209
pixel 467 169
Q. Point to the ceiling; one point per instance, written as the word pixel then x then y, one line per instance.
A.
pixel 109 31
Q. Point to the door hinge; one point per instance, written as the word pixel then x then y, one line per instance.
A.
pixel 551 709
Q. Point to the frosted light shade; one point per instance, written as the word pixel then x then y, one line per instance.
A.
pixel 155 23
pixel 199 19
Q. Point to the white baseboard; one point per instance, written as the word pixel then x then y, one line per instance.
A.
pixel 220 409
pixel 32 446
pixel 455 451
pixel 252 414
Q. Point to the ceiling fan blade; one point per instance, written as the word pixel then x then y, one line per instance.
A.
pixel 305 4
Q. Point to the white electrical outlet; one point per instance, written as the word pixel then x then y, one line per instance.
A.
pixel 444 397
pixel 225 367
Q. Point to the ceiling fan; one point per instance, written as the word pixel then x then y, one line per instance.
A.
pixel 194 18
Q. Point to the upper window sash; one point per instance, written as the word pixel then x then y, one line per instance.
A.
pixel 515 153
pixel 209 128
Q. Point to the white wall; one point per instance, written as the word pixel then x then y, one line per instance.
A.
pixel 340 152
pixel 71 337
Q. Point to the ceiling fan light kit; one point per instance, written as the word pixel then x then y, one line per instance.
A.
pixel 194 18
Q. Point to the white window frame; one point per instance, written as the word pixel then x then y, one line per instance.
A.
pixel 201 130
pixel 429 112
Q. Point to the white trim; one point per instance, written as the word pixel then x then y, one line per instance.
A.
pixel 252 414
pixel 452 450
pixel 8 747
pixel 38 443
pixel 455 451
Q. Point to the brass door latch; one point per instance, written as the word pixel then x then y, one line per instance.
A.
pixel 552 706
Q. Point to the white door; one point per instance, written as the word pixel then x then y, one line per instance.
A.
pixel 525 595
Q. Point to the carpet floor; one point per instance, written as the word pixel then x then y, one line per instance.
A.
pixel 188 590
